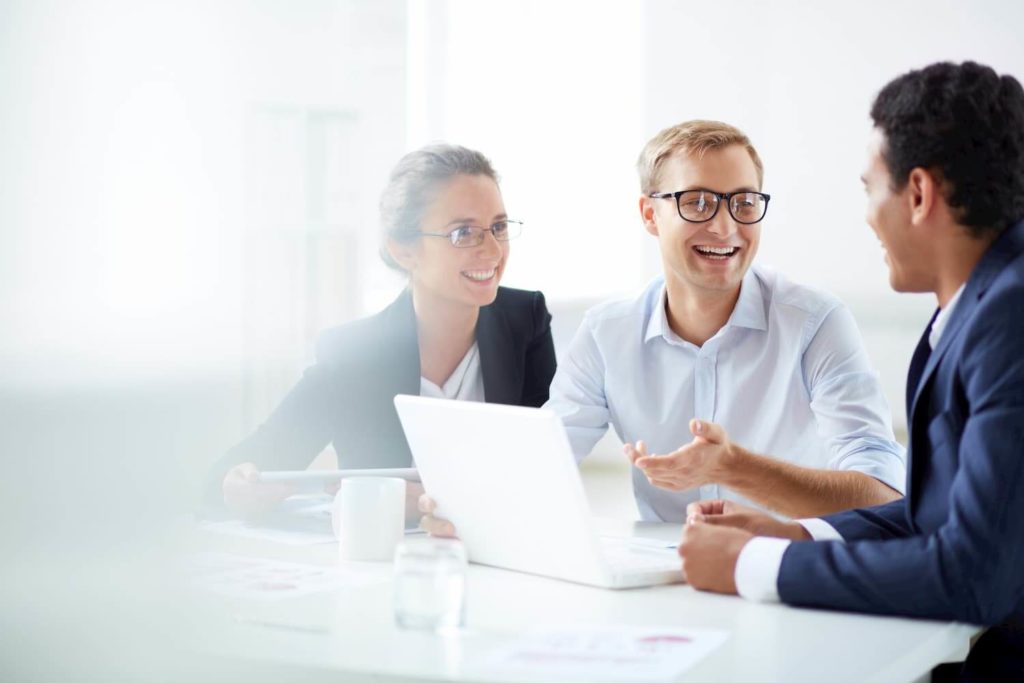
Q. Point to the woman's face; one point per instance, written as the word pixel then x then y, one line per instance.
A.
pixel 468 275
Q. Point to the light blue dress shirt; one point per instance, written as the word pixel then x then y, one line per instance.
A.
pixel 787 376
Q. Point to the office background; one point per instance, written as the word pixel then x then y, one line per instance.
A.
pixel 188 192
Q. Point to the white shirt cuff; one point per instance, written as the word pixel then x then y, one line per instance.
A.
pixel 757 568
pixel 820 530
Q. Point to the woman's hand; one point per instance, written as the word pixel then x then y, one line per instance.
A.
pixel 247 497
pixel 435 526
pixel 413 493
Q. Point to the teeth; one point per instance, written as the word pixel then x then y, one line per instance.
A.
pixel 722 251
pixel 480 275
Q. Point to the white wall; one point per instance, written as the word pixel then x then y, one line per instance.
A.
pixel 132 148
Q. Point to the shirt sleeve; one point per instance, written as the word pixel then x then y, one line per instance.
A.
pixel 757 568
pixel 820 530
pixel 577 392
pixel 850 409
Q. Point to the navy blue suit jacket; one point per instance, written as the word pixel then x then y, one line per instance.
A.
pixel 347 396
pixel 954 547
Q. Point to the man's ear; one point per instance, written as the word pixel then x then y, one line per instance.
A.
pixel 923 192
pixel 404 253
pixel 647 215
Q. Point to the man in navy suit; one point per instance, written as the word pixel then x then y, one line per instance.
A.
pixel 945 188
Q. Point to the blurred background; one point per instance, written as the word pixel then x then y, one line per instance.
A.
pixel 188 195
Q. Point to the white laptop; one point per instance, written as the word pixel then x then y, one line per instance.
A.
pixel 506 477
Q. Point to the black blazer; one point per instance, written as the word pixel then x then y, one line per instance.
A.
pixel 346 397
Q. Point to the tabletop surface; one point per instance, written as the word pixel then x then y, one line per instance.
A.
pixel 351 629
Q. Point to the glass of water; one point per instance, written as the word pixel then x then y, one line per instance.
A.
pixel 430 584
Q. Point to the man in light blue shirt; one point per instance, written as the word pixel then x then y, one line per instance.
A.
pixel 716 353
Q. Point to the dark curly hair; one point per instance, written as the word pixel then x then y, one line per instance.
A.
pixel 965 123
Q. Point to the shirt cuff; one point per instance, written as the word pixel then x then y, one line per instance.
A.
pixel 820 530
pixel 757 568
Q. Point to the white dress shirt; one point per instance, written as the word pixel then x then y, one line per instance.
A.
pixel 466 383
pixel 786 376
pixel 757 567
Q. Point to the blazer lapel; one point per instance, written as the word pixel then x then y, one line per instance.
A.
pixel 917 364
pixel 499 363
pixel 1006 247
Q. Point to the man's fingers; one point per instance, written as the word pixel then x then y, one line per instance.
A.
pixel 704 507
pixel 427 504
pixel 656 462
pixel 734 521
pixel 631 452
pixel 707 431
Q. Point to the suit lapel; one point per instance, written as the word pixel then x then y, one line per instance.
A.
pixel 917 364
pixel 499 363
pixel 998 255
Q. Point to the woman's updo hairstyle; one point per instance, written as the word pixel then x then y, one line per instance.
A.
pixel 414 184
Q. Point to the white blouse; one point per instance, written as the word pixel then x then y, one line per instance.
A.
pixel 466 382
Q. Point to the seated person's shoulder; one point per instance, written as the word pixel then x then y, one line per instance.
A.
pixel 626 312
pixel 523 307
pixel 512 298
pixel 794 298
pixel 997 320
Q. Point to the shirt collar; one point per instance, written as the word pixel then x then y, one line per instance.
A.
pixel 749 311
pixel 939 324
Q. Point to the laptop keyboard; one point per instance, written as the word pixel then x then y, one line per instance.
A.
pixel 626 557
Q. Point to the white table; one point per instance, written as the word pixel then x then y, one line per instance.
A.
pixel 351 630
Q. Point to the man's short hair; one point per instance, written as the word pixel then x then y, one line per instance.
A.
pixel 965 124
pixel 690 137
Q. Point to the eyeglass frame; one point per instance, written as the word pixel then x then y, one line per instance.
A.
pixel 482 233
pixel 726 196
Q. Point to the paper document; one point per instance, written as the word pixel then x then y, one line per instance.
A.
pixel 605 653
pixel 259 578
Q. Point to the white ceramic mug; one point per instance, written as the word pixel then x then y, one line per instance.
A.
pixel 369 517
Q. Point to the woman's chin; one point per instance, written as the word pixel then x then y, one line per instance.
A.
pixel 481 292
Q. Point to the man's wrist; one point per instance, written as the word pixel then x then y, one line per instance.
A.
pixel 729 465
pixel 798 532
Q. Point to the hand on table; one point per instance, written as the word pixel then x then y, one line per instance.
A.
pixel 248 497
pixel 729 514
pixel 716 532
pixel 710 554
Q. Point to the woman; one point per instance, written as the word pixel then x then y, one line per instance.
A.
pixel 452 333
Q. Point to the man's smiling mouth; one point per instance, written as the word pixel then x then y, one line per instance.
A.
pixel 716 253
